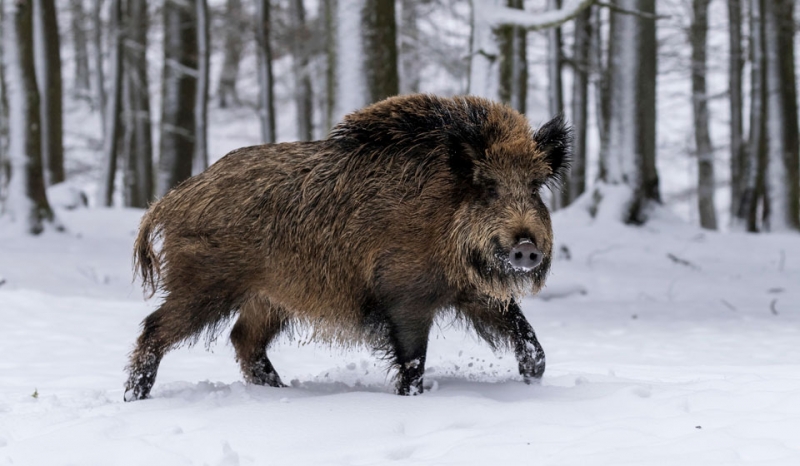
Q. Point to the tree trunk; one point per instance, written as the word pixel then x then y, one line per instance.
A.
pixel 266 98
pixel 300 68
pixel 555 89
pixel 113 124
pixel 513 87
pixel 329 14
pixel 179 91
pixel 555 86
pixel 48 73
pixel 631 154
pixel 26 202
pixel 746 217
pixel 782 208
pixel 349 76
pixel 139 170
pixel 379 36
pixel 410 59
pixel 735 66
pixel 234 24
pixel 705 152
pixel 200 160
pixel 602 93
pixel 97 41
pixel 5 166
pixel 575 184
pixel 81 86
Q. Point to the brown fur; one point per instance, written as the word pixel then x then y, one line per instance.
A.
pixel 406 210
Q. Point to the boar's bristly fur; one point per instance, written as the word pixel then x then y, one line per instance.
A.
pixel 413 206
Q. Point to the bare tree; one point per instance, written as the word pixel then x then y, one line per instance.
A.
pixel 555 90
pixel 735 66
pixel 782 201
pixel 99 74
pixel 513 63
pixel 575 184
pixel 706 184
pixel 379 38
pixel 300 68
pixel 366 29
pixel 78 19
pixel 26 202
pixel 139 170
pixel 179 93
pixel 5 165
pixel 232 53
pixel 487 17
pixel 47 52
pixel 113 123
pixel 265 80
pixel 629 160
pixel 328 13
pixel 200 159
pixel 752 188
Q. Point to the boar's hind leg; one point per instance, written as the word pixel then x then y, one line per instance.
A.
pixel 499 323
pixel 258 324
pixel 176 320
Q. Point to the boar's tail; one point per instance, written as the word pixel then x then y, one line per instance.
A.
pixel 146 259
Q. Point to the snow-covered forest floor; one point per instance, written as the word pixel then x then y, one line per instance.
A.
pixel 665 345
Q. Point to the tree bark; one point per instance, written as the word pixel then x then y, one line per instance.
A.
pixel 26 202
pixel 782 201
pixel 82 86
pixel 300 68
pixel 631 153
pixel 705 152
pixel 264 52
pixel 48 73
pixel 179 91
pixel 97 41
pixel 513 63
pixel 139 170
pixel 113 124
pixel 746 217
pixel 229 73
pixel 200 160
pixel 735 66
pixel 575 184
pixel 379 36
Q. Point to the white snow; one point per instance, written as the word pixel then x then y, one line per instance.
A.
pixel 686 360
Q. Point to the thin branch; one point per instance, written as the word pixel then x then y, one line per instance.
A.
pixel 504 16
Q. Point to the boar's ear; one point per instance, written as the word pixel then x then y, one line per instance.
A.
pixel 554 140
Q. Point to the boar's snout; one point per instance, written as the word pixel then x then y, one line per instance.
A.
pixel 525 255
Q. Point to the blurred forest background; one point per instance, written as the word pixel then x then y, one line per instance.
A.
pixel 688 103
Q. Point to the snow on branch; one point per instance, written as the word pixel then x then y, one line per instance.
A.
pixel 497 16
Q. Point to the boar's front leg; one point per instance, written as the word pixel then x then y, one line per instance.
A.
pixel 502 323
pixel 401 333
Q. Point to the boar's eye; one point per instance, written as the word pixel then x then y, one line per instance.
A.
pixel 490 189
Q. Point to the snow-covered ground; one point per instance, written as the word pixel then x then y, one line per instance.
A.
pixel 665 345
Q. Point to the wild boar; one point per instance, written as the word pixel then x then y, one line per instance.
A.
pixel 412 207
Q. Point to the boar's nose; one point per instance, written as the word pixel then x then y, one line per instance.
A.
pixel 525 255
